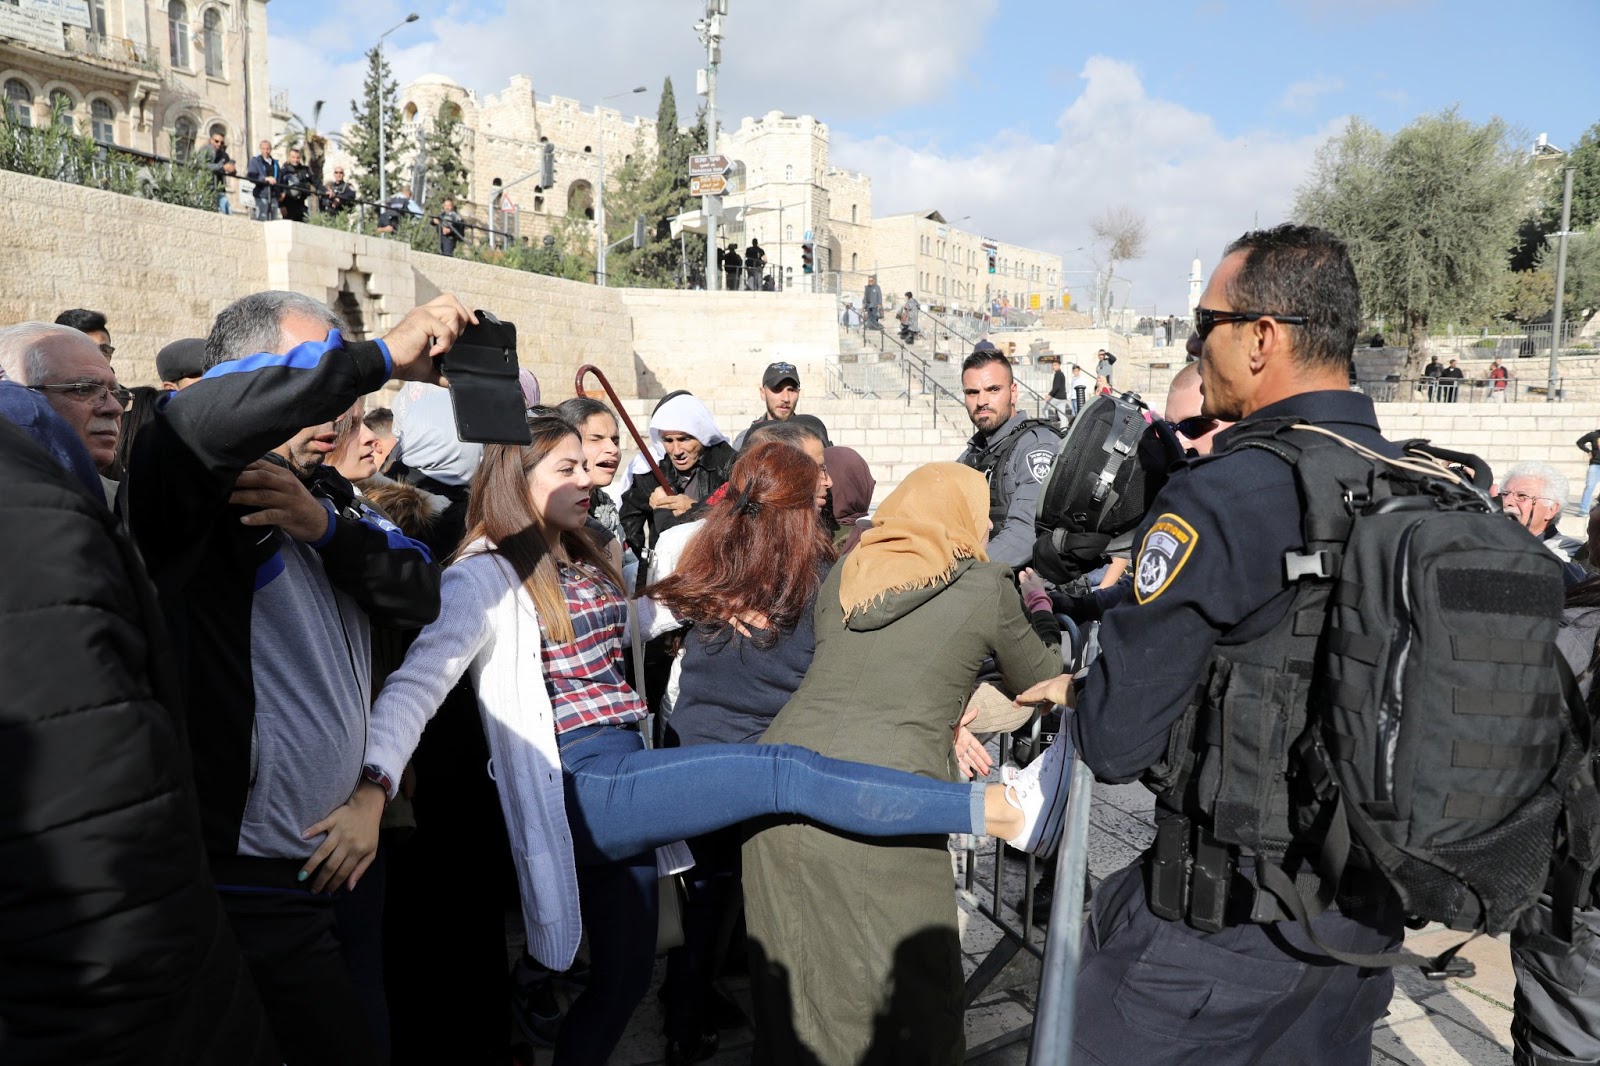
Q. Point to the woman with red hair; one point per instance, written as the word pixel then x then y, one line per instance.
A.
pixel 749 580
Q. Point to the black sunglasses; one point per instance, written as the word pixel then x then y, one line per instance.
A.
pixel 1193 428
pixel 1206 320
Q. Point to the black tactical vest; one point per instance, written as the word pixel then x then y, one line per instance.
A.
pixel 991 463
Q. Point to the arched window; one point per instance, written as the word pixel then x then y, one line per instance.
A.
pixel 854 218
pixel 61 108
pixel 580 199
pixel 19 103
pixel 852 262
pixel 178 33
pixel 102 122
pixel 183 135
pixel 788 233
pixel 213 42
pixel 788 173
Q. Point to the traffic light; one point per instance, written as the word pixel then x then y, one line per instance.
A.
pixel 991 262
pixel 807 264
pixel 547 171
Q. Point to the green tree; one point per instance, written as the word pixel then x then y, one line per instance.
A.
pixel 1582 281
pixel 1529 295
pixel 658 190
pixel 446 170
pixel 1429 214
pixel 1584 160
pixel 380 95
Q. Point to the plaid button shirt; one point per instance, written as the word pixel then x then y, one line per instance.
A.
pixel 584 676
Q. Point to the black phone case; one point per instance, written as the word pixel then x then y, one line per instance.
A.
pixel 484 392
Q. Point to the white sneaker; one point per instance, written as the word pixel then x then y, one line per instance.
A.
pixel 1039 791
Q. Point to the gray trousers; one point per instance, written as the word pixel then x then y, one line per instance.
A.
pixel 1158 993
pixel 1557 1016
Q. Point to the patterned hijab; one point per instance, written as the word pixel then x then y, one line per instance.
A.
pixel 937 516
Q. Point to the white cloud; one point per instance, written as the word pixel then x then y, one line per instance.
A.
pixel 1196 187
pixel 1302 95
pixel 831 58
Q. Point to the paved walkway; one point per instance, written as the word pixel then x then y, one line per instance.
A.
pixel 1454 1023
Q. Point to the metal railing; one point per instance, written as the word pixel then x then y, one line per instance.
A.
pixel 120 50
pixel 1054 1011
pixel 1058 949
pixel 1394 388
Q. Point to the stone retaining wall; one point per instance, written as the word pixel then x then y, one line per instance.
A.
pixel 161 272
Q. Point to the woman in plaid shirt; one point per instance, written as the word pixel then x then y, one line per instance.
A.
pixel 532 610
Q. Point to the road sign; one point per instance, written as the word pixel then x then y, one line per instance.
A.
pixel 705 166
pixel 708 185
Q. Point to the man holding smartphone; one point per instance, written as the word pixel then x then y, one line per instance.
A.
pixel 273 590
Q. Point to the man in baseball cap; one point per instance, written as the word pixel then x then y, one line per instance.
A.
pixel 780 395
pixel 181 363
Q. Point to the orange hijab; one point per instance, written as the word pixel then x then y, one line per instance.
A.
pixel 935 517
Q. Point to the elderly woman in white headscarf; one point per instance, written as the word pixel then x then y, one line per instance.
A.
pixel 694 455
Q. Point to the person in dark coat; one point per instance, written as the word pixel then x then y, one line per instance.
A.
pixel 113 946
pixel 695 456
pixel 872 303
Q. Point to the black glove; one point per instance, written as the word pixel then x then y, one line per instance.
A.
pixel 1061 556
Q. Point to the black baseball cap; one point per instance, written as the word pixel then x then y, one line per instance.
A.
pixel 182 359
pixel 777 373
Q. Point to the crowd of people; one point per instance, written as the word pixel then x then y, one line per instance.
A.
pixel 290 189
pixel 305 695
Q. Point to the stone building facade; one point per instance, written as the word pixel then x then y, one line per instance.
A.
pixel 154 76
pixel 790 188
pixel 950 267
pixel 503 138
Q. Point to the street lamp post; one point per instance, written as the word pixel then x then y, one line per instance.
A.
pixel 1552 388
pixel 383 133
pixel 600 193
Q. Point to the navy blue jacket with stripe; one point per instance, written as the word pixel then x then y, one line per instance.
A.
pixel 273 634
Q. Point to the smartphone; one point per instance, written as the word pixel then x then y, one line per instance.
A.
pixel 484 392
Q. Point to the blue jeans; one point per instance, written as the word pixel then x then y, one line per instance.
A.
pixel 623 801
pixel 1589 483
pixel 222 202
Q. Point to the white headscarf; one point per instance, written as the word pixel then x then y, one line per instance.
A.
pixel 681 414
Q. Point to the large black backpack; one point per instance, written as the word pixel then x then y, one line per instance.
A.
pixel 1444 749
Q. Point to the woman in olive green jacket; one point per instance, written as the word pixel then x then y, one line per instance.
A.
pixel 856 956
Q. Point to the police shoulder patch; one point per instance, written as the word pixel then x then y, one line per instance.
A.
pixel 1167 546
pixel 1038 463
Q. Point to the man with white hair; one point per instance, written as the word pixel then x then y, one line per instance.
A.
pixel 71 372
pixel 1535 494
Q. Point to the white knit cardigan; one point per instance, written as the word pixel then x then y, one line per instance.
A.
pixel 488 629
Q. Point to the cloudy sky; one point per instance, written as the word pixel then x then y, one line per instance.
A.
pixel 1030 116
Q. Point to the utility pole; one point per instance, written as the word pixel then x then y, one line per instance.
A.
pixel 1561 280
pixel 710 30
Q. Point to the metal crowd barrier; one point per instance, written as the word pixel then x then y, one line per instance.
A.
pixel 1058 949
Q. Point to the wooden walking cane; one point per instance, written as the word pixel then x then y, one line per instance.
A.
pixel 616 405
pixel 644 450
